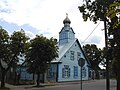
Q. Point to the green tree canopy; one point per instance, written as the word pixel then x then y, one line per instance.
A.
pixel 11 46
pixel 107 11
pixel 41 52
pixel 94 55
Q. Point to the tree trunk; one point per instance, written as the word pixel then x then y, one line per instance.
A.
pixel 34 78
pixel 118 67
pixel 3 74
pixel 97 75
pixel 118 78
pixel 38 79
pixel 118 84
pixel 43 80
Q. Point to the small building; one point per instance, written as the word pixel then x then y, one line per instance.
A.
pixel 65 67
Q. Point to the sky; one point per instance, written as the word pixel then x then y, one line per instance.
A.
pixel 46 17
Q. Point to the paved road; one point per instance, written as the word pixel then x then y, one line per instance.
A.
pixel 92 85
pixel 87 85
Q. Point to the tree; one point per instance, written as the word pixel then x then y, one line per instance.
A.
pixel 10 48
pixel 41 52
pixel 107 11
pixel 95 57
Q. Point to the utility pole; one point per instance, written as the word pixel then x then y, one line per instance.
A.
pixel 106 45
pixel 107 60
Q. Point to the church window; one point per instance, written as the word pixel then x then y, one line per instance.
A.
pixel 66 71
pixel 72 55
pixel 78 55
pixel 75 71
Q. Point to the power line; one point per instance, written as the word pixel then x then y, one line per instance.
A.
pixel 91 33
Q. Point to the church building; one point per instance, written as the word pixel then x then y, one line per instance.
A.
pixel 66 66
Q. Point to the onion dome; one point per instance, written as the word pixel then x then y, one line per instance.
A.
pixel 66 20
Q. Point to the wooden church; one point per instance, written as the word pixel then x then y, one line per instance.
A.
pixel 66 67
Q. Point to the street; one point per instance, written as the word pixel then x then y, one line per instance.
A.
pixel 93 85
pixel 87 85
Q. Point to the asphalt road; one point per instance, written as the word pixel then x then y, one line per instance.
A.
pixel 90 85
pixel 87 85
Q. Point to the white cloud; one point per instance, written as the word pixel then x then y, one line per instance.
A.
pixel 47 16
pixel 30 34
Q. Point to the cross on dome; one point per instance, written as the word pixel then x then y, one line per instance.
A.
pixel 66 20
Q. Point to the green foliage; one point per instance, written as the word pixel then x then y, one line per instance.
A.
pixel 95 10
pixel 18 41
pixel 10 48
pixel 106 10
pixel 102 10
pixel 92 10
pixel 4 45
pixel 38 52
pixel 107 53
pixel 93 54
pixel 41 52
pixel 116 60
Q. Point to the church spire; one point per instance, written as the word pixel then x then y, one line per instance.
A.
pixel 66 35
pixel 66 20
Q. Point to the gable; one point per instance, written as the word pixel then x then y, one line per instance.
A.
pixel 73 54
pixel 65 50
pixel 84 55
